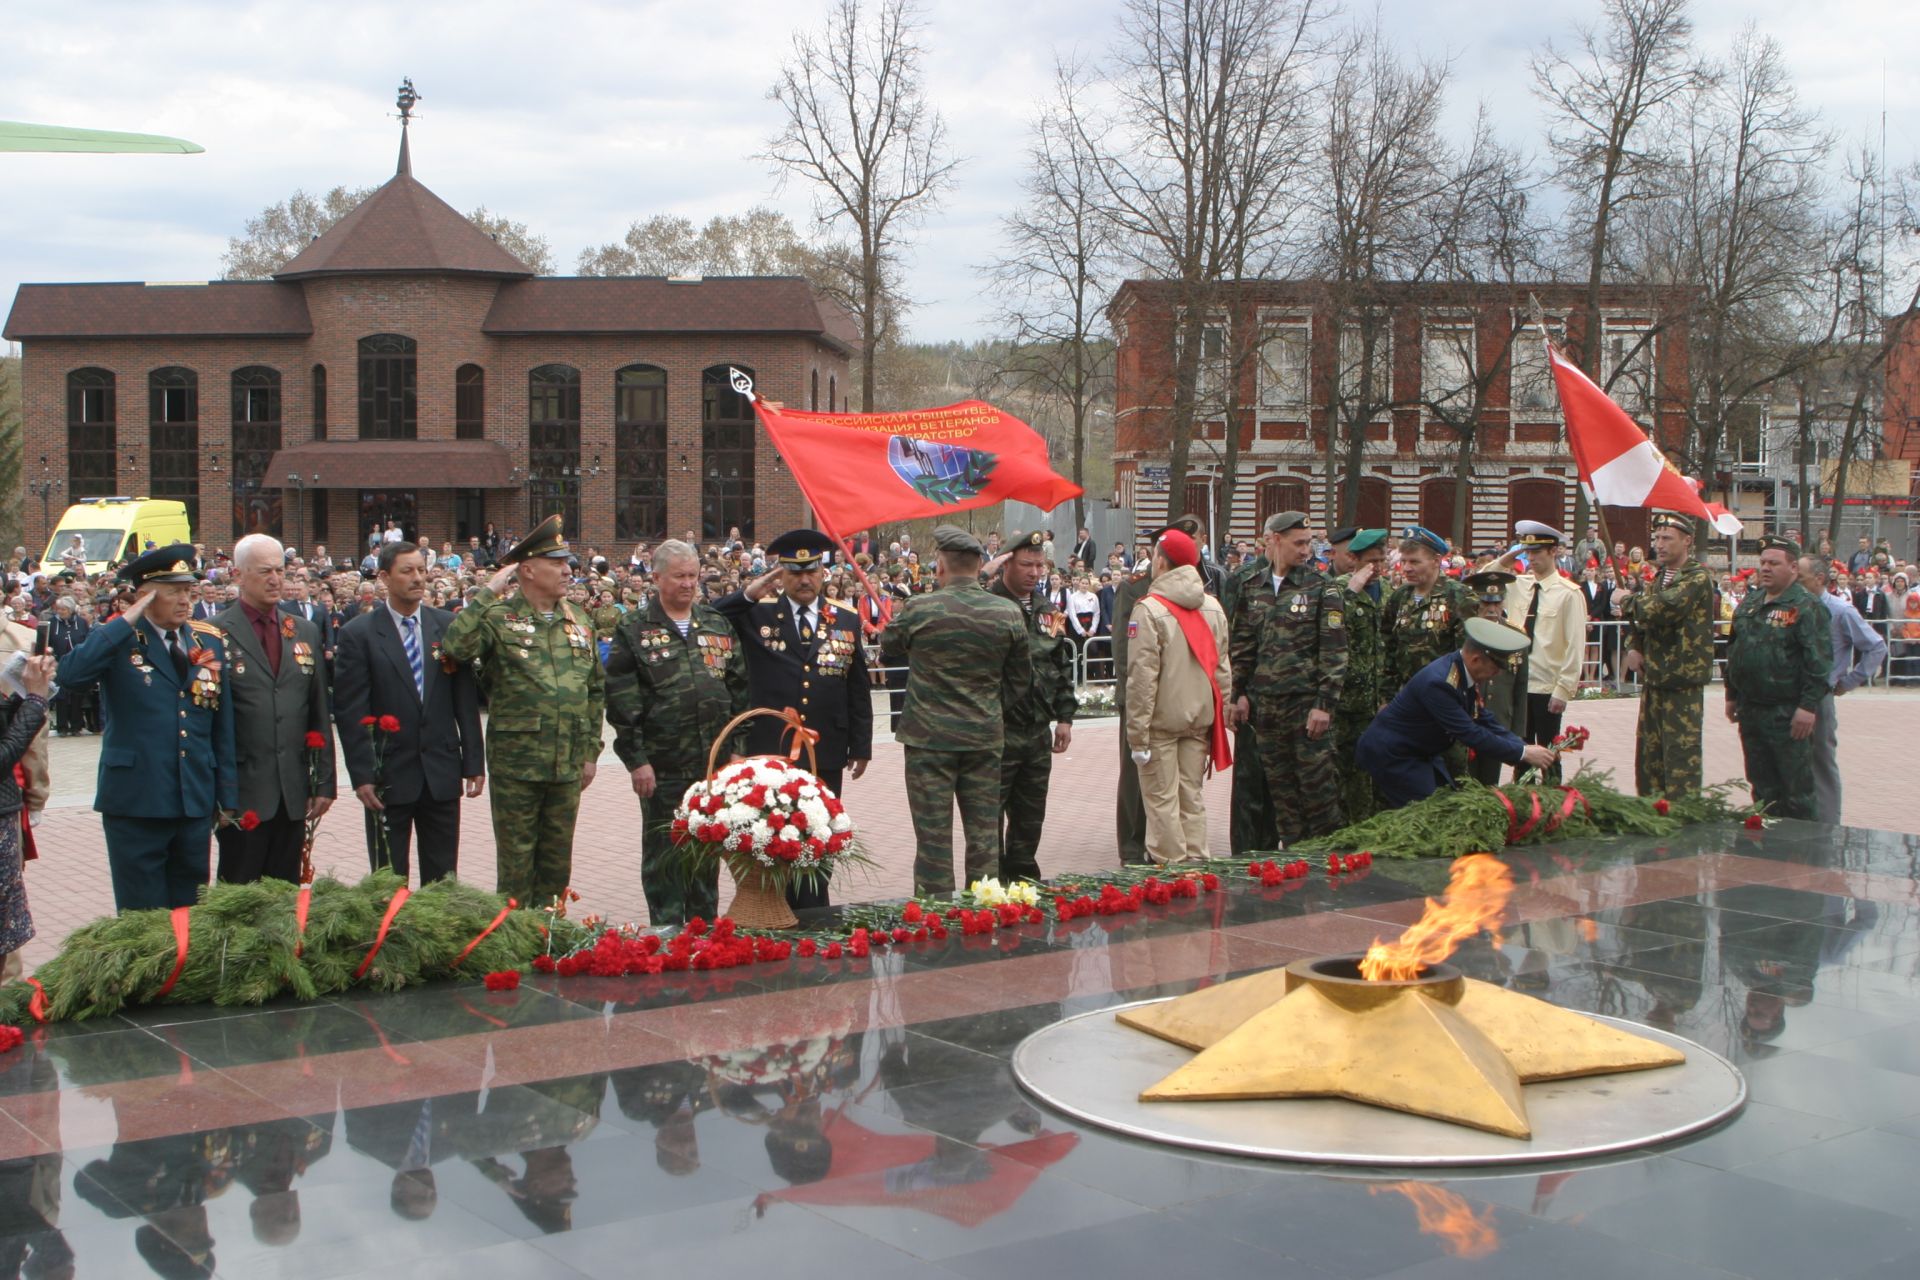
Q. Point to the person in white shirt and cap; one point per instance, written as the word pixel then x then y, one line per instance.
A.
pixel 1550 608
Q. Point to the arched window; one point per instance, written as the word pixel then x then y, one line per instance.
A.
pixel 639 453
pixel 553 445
pixel 813 392
pixel 1537 498
pixel 1374 510
pixel 470 403
pixel 1283 493
pixel 93 442
pixel 726 456
pixel 1437 507
pixel 319 402
pixel 256 438
pixel 173 438
pixel 388 397
pixel 833 383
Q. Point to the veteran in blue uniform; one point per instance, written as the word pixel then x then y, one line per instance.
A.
pixel 1443 704
pixel 803 651
pixel 166 755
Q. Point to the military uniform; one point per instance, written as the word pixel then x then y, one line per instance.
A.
pixel 167 757
pixel 1129 810
pixel 963 646
pixel 545 697
pixel 1250 826
pixel 1416 629
pixel 1777 664
pixel 1360 688
pixel 1552 611
pixel 1026 759
pixel 1289 649
pixel 1405 748
pixel 605 619
pixel 816 665
pixel 1506 692
pixel 1670 624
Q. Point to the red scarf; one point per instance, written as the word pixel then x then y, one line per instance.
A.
pixel 1193 625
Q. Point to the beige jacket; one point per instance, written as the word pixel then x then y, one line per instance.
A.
pixel 1167 691
pixel 14 636
pixel 1559 632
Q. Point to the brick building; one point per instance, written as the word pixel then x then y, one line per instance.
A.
pixel 1272 345
pixel 404 366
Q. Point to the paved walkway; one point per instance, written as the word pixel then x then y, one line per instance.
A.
pixel 68 886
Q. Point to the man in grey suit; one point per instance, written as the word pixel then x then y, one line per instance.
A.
pixel 387 662
pixel 279 692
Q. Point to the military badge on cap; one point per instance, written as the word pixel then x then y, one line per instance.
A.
pixel 546 542
pixel 1420 536
pixel 1284 522
pixel 1774 542
pixel 1673 520
pixel 162 564
pixel 1533 535
pixel 1036 540
pixel 801 549
pixel 1489 586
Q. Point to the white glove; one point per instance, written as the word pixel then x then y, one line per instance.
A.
pixel 33 819
pixel 1141 757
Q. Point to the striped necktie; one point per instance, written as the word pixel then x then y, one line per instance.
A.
pixel 410 636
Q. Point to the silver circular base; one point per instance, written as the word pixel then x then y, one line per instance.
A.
pixel 1093 1069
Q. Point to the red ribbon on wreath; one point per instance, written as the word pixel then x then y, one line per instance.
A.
pixel 180 927
pixel 468 949
pixel 1517 830
pixel 301 901
pixel 380 939
pixel 1572 798
pixel 38 1005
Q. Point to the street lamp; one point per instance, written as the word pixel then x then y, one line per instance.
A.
pixel 45 487
pixel 299 487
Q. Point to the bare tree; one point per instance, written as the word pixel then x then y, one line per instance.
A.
pixel 1210 95
pixel 860 131
pixel 1057 274
pixel 276 234
pixel 1603 100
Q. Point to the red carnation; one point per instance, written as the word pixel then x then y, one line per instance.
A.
pixel 503 980
pixel 1755 822
pixel 316 741
pixel 248 820
pixel 912 913
pixel 10 1039
pixel 389 724
pixel 1661 806
pixel 833 951
pixel 368 721
pixel 543 964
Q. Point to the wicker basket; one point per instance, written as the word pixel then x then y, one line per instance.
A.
pixel 759 903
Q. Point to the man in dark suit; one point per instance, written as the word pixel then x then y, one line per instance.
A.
pixel 388 663
pixel 161 678
pixel 209 602
pixel 804 652
pixel 1599 598
pixel 301 604
pixel 60 635
pixel 279 692
pixel 1085 549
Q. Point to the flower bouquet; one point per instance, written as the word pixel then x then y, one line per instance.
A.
pixel 771 822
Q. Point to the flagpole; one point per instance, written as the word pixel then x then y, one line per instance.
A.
pixel 1539 318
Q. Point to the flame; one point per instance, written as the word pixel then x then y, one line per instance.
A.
pixel 1588 929
pixel 1463 1233
pixel 1477 893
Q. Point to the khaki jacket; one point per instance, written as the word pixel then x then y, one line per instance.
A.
pixel 1559 632
pixel 1167 691
pixel 13 637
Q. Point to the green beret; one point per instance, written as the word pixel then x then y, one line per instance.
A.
pixel 951 537
pixel 1366 540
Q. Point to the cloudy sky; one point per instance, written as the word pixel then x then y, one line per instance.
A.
pixel 578 117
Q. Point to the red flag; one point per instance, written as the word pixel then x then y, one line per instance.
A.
pixel 1619 465
pixel 862 469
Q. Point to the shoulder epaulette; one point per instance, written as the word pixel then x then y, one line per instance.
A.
pixel 204 627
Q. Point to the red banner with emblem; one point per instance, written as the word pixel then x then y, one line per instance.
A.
pixel 858 470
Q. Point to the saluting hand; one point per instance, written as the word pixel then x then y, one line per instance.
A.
pixel 499 581
pixel 756 590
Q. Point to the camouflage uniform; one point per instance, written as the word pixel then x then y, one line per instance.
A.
pixel 1289 658
pixel 605 619
pixel 1026 760
pixel 1359 700
pixel 1250 814
pixel 1670 622
pixel 1414 633
pixel 668 698
pixel 1129 810
pixel 963 646
pixel 545 696
pixel 1777 663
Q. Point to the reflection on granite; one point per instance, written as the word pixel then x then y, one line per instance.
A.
pixel 815 1119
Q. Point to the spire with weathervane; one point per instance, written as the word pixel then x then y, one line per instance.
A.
pixel 408 96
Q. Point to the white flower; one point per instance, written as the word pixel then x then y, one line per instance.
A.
pixel 1023 893
pixel 841 823
pixel 988 892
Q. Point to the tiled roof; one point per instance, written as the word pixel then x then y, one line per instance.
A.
pixel 226 309
pixel 655 304
pixel 403 227
pixel 375 464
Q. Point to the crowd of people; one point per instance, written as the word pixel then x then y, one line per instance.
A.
pixel 1310 646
